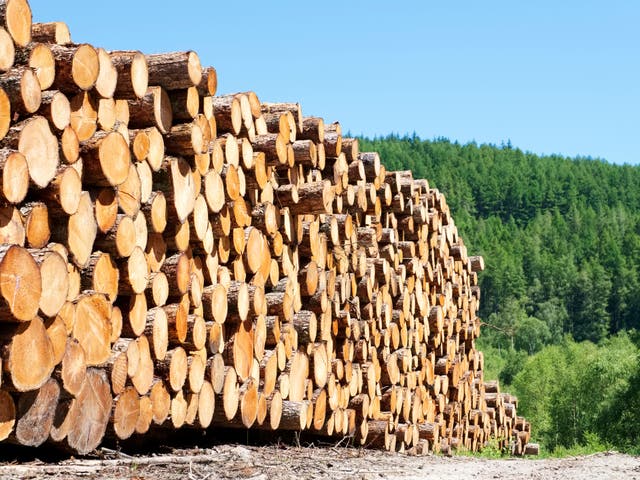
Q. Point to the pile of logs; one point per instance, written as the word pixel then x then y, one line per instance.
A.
pixel 170 258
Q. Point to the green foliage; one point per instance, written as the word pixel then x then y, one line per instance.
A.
pixel 514 362
pixel 593 444
pixel 572 392
pixel 619 422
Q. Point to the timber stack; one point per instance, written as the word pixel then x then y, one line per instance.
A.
pixel 171 258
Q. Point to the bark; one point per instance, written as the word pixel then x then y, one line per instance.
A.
pixel 174 71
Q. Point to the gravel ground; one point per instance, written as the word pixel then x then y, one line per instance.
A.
pixel 337 463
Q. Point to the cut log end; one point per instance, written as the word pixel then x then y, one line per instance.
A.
pixel 92 328
pixel 115 158
pixel 20 283
pixel 40 148
pixel 7 50
pixel 17 15
pixel 15 178
pixel 31 356
pixel 90 413
pixel 85 67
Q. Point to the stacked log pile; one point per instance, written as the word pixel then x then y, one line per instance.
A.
pixel 171 258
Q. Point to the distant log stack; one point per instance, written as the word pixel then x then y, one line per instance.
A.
pixel 170 258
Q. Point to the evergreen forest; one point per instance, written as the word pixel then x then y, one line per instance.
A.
pixel 561 290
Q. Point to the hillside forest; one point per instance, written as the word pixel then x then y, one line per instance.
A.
pixel 561 290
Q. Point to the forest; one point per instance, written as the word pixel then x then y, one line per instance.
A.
pixel 561 291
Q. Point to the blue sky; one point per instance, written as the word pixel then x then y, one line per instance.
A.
pixel 551 76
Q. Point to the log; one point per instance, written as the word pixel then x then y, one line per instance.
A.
pixel 240 348
pixel 153 109
pixel 50 32
pixel 23 90
pixel 178 185
pixel 20 284
pixel 92 327
pixel 173 368
pixel 119 239
pixel 313 198
pixel 209 82
pixel 107 160
pixel 476 263
pixel 102 275
pixel 73 371
pixel 228 114
pixel 312 129
pixel 14 172
pixel 190 334
pixel 161 402
pixel 29 357
pixel 145 415
pixel 230 393
pixel 196 375
pixel 293 416
pixel 36 412
pixel 79 232
pixel 15 16
pixel 133 75
pixel 179 407
pixel 206 405
pixel 84 115
pixel 107 75
pixel 77 67
pixel 7 50
pixel 36 219
pixel 57 331
pixel 126 410
pixel 129 192
pixel 274 147
pixel 249 402
pixel 214 300
pixel 143 377
pixel 90 413
pixel 177 269
pixel 33 139
pixel 174 71
pixel 134 272
pixel 54 279
pixel 62 195
pixel 186 139
pixel 185 104
pixel 214 191
pixel 351 148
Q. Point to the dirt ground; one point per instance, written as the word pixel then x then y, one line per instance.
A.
pixel 336 463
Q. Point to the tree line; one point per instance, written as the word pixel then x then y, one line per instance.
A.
pixel 561 241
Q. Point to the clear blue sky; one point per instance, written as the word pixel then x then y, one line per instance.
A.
pixel 552 76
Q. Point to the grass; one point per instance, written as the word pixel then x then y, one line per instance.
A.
pixel 592 445
pixel 490 451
